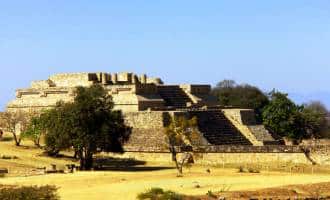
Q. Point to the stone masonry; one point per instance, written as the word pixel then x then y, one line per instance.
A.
pixel 147 103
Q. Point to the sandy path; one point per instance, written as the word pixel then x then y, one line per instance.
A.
pixel 126 185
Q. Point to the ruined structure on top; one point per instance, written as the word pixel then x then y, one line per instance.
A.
pixel 147 104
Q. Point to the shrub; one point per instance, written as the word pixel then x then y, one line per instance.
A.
pixel 248 170
pixel 6 157
pixel 211 194
pixel 241 169
pixel 252 170
pixel 28 193
pixel 159 194
pixel 224 188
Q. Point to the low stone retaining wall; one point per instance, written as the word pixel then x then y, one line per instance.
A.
pixel 222 158
pixel 232 149
pixel 222 155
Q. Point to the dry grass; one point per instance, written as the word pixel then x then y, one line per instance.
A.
pixel 126 184
pixel 28 158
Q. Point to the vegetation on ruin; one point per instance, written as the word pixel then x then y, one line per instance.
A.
pixel 284 117
pixel 316 123
pixel 89 125
pixel 229 93
pixel 180 133
pixel 278 113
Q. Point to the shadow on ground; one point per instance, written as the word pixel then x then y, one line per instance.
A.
pixel 6 139
pixel 124 164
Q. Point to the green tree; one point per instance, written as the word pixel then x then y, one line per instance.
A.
pixel 34 130
pixel 284 117
pixel 241 95
pixel 315 116
pixel 88 124
pixel 181 132
pixel 58 123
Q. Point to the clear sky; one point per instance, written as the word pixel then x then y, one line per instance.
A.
pixel 272 44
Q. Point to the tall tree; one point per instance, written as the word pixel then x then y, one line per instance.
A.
pixel 284 117
pixel 180 133
pixel 88 124
pixel 241 95
pixel 315 116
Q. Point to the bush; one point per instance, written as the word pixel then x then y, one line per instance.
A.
pixel 241 169
pixel 211 194
pixel 28 193
pixel 159 194
pixel 252 170
pixel 6 157
pixel 248 170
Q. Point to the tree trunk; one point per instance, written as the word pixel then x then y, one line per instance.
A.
pixel 175 160
pixel 89 161
pixel 37 142
pixel 185 158
pixel 82 163
pixel 75 155
pixel 307 153
pixel 86 160
pixel 17 140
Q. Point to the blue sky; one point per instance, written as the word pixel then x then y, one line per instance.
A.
pixel 272 44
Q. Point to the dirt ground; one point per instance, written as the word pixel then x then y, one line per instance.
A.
pixel 302 191
pixel 126 185
pixel 126 182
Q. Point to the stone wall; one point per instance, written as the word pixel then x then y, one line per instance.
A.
pixel 321 154
pixel 232 149
pixel 130 92
pixel 42 84
pixel 220 155
pixel 196 89
pixel 199 94
pixel 72 80
pixel 243 116
pixel 221 159
pixel 36 100
pixel 245 121
pixel 148 129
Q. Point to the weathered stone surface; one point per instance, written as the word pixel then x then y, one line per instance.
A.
pixel 146 104
pixel 230 154
pixel 130 93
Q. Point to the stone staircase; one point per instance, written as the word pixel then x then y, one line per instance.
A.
pixel 217 129
pixel 174 96
pixel 262 134
pixel 246 132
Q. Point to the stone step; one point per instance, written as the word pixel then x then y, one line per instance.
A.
pixel 174 96
pixel 217 129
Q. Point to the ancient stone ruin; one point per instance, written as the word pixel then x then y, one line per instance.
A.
pixel 147 104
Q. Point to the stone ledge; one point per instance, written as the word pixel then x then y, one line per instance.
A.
pixel 229 149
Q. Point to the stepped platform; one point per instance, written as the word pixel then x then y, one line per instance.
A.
pixel 217 129
pixel 174 96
